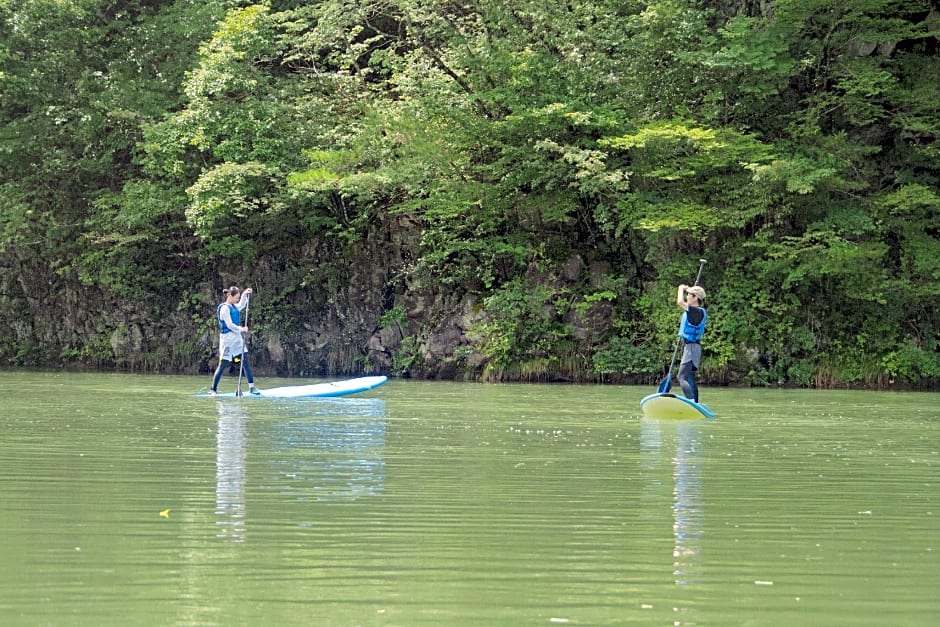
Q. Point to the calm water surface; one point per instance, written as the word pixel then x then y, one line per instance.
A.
pixel 128 501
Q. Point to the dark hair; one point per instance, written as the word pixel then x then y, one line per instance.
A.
pixel 232 291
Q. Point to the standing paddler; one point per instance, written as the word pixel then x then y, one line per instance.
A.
pixel 231 338
pixel 691 329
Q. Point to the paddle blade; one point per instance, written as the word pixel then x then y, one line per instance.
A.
pixel 666 384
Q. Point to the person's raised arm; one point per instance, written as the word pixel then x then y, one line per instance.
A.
pixel 680 297
pixel 243 301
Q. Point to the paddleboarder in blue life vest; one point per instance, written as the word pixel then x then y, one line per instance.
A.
pixel 691 329
pixel 231 337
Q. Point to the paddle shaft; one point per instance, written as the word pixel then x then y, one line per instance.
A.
pixel 698 277
pixel 241 359
pixel 666 382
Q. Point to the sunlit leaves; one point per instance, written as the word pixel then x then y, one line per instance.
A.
pixel 674 167
pixel 797 175
pixel 227 59
pixel 229 193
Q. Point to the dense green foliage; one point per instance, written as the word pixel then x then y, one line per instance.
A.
pixel 566 163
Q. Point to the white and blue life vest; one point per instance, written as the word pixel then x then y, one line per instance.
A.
pixel 692 332
pixel 236 318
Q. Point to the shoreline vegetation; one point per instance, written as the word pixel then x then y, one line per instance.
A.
pixel 495 192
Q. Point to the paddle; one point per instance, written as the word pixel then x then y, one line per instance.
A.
pixel 241 361
pixel 667 382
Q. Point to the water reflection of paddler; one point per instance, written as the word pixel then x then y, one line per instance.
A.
pixel 230 459
pixel 682 442
pixel 687 503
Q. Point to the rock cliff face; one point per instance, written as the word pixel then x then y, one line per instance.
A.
pixel 317 311
pixel 361 312
pixel 313 314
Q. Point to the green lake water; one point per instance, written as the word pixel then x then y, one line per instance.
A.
pixel 128 501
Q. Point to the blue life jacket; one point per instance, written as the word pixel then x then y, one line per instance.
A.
pixel 236 318
pixel 692 332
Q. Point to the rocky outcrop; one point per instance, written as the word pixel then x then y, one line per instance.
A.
pixel 317 311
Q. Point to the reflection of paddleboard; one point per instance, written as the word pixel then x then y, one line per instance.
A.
pixel 315 390
pixel 670 406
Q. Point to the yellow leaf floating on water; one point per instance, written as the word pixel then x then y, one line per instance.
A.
pixel 165 513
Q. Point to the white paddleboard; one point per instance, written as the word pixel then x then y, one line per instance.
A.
pixel 313 390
